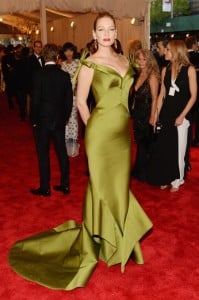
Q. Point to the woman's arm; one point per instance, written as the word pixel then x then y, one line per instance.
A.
pixel 154 86
pixel 160 98
pixel 192 99
pixel 83 86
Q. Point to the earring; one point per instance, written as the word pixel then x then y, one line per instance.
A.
pixel 95 44
pixel 115 44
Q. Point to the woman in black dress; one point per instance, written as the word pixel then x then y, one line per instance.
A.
pixel 142 109
pixel 176 98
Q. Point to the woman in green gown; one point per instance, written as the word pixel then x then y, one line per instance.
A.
pixel 113 221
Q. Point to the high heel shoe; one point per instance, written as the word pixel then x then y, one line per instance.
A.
pixel 174 189
pixel 163 187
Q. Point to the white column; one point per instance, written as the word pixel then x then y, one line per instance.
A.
pixel 43 22
pixel 147 21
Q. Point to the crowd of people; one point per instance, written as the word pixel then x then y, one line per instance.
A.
pixel 157 90
pixel 164 113
pixel 18 65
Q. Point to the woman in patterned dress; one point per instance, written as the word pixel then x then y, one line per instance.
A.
pixel 71 134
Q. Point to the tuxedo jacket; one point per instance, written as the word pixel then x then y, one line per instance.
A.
pixel 34 66
pixel 21 74
pixel 52 97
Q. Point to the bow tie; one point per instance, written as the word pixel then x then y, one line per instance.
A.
pixel 39 57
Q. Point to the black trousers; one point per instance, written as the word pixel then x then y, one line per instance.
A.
pixel 21 97
pixel 43 137
pixel 10 95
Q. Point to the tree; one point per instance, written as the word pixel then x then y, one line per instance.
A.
pixel 180 8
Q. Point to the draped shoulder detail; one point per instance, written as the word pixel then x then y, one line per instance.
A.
pixel 88 63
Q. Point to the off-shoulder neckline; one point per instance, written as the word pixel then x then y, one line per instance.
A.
pixel 108 67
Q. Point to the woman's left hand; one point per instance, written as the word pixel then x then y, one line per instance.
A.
pixel 179 120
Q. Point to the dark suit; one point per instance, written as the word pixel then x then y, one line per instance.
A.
pixel 34 66
pixel 162 62
pixel 50 109
pixel 21 84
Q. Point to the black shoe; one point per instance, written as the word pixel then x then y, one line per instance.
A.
pixel 40 192
pixel 64 189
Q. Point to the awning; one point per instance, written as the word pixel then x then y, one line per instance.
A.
pixel 176 24
pixel 120 9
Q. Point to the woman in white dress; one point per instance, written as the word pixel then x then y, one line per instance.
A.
pixel 71 133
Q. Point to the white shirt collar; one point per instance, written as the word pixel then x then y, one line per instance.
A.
pixel 50 63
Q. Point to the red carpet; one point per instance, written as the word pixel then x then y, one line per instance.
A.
pixel 171 269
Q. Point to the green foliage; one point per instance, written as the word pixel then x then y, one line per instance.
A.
pixel 180 8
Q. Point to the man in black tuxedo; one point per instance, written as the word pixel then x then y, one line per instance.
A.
pixel 50 109
pixel 35 62
pixel 159 55
pixel 36 57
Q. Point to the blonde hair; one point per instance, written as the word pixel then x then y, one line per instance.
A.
pixel 151 63
pixel 179 53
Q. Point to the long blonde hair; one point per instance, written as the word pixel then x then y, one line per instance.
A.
pixel 179 54
pixel 151 63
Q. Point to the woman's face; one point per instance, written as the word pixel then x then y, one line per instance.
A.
pixel 168 54
pixel 69 54
pixel 105 32
pixel 141 61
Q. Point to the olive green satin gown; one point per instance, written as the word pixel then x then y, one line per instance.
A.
pixel 113 221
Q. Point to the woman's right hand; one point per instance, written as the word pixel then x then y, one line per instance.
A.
pixel 153 119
